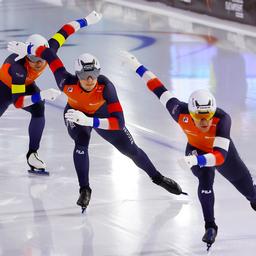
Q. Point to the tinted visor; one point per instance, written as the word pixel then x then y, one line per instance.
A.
pixel 33 58
pixel 198 116
pixel 85 74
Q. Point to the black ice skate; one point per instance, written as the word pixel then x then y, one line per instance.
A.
pixel 169 184
pixel 209 237
pixel 37 166
pixel 84 198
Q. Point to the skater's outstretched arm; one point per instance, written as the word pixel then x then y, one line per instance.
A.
pixel 60 37
pixel 116 119
pixel 176 108
pixel 168 99
pixel 18 89
pixel 59 71
pixel 19 74
pixel 72 27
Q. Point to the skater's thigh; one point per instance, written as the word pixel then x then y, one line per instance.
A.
pixel 5 98
pixel 37 109
pixel 80 134
pixel 121 139
pixel 205 175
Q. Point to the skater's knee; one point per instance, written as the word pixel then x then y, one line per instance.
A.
pixel 37 110
pixel 80 149
pixel 82 146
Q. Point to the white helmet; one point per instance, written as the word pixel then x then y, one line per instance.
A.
pixel 202 104
pixel 36 40
pixel 87 66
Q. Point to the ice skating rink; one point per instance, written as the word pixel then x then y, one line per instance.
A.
pixel 128 215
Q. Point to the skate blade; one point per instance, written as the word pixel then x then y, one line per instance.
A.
pixel 39 172
pixel 208 247
pixel 83 209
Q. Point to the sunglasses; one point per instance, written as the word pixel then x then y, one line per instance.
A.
pixel 34 58
pixel 84 75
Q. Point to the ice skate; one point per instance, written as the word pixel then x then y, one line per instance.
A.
pixel 84 198
pixel 209 237
pixel 37 166
pixel 170 185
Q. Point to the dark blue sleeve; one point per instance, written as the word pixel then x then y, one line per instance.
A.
pixel 173 105
pixel 113 105
pixel 222 133
pixel 59 71
pixel 18 74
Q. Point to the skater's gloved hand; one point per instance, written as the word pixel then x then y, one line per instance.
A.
pixel 76 116
pixel 19 48
pixel 50 94
pixel 129 60
pixel 187 162
pixel 93 17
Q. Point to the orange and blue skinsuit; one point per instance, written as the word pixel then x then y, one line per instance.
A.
pixel 17 81
pixel 214 149
pixel 102 104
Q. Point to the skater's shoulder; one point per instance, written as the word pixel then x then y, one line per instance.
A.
pixel 104 80
pixel 71 79
pixel 221 114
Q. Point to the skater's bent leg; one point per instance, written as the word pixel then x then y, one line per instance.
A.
pixel 206 197
pixel 36 125
pixel 81 162
pixel 245 187
pixel 123 141
pixel 237 173
pixel 5 98
pixel 81 136
pixel 205 193
pixel 3 107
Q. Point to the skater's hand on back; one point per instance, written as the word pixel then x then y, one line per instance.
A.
pixel 50 94
pixel 187 162
pixel 76 116
pixel 129 60
pixel 19 48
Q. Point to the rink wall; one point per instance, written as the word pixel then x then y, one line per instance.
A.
pixel 240 21
pixel 242 11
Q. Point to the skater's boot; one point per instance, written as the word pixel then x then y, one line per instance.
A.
pixel 210 236
pixel 36 164
pixel 84 198
pixel 253 205
pixel 168 184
